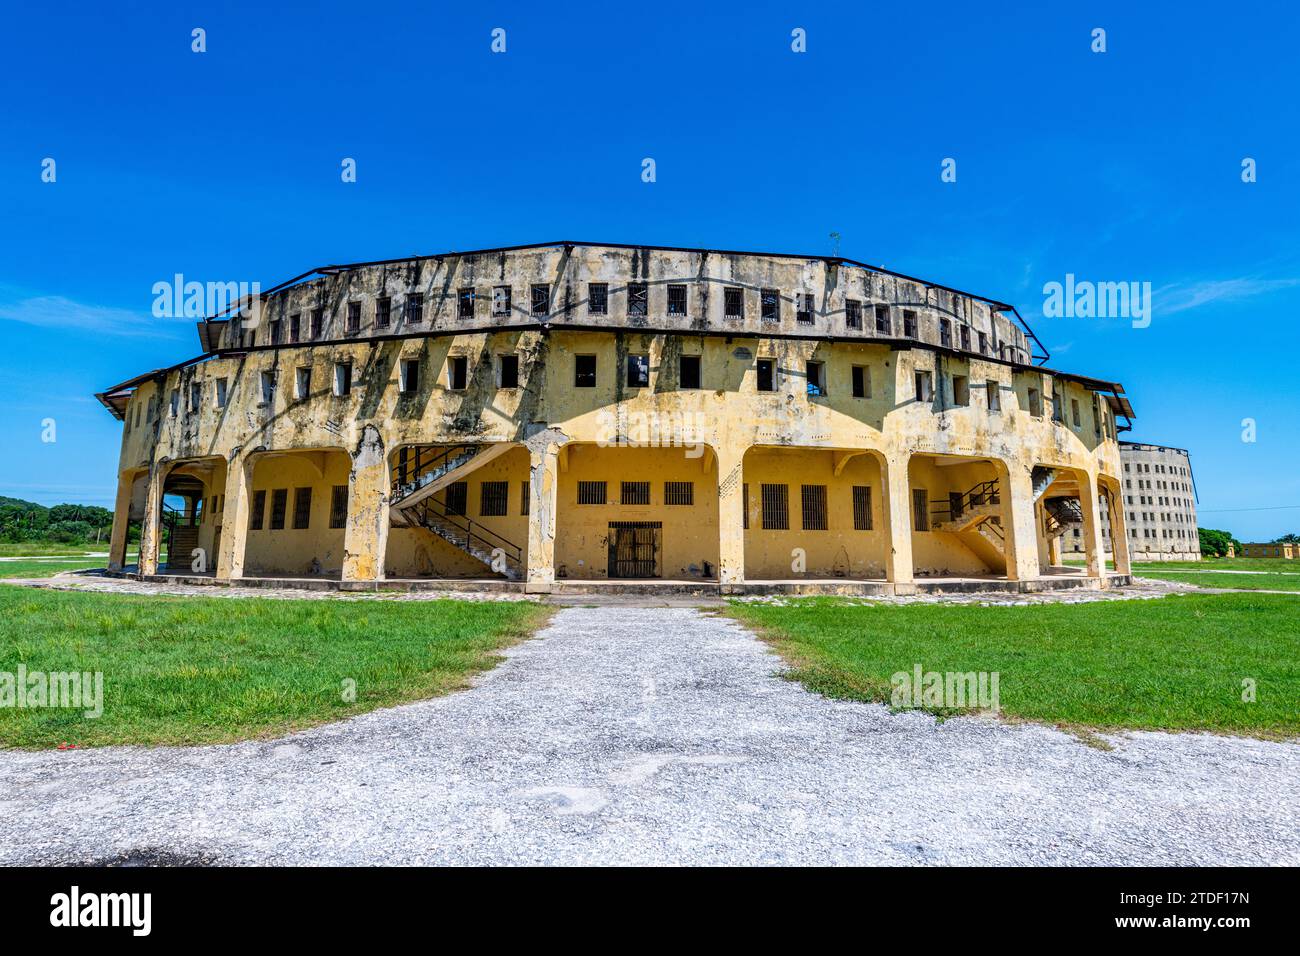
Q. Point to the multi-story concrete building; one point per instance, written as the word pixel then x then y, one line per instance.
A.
pixel 1159 506
pixel 577 412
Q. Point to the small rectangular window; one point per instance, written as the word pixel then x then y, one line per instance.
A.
pixel 383 312
pixel 965 337
pixel 1035 403
pixel 635 493
pixel 258 513
pixel 945 333
pixel 591 492
pixel 492 498
pixel 883 323
pixel 744 506
pixel 983 343
pixel 222 386
pixel 584 371
pixel 677 300
pixel 1074 412
pixel 853 314
pixel 501 300
pixel 909 323
pixel 410 375
pixel 994 394
pixel 196 396
pixel 342 379
pixel 766 375
pixel 861 381
pixel 295 324
pixel 861 508
pixel 457 372
pixel 804 308
pixel 638 299
pixel 301 508
pixel 302 382
pixel 776 507
pixel 638 371
pixel 465 303
pixel 523 498
pixel 414 308
pixel 268 387
pixel 733 303
pixel 924 386
pixel 317 322
pixel 679 492
pixel 274 332
pixel 457 497
pixel 813 509
pixel 354 317
pixel 339 506
pixel 770 302
pixel 541 299
pixel 175 402
pixel 960 390
pixel 279 504
pixel 920 510
pixel 816 372
pixel 689 372
pixel 507 371
pixel 597 298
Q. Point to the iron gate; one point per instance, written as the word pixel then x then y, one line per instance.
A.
pixel 634 548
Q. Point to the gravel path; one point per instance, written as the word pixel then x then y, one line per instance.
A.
pixel 634 735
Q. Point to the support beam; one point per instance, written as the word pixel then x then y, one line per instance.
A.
pixel 1020 515
pixel 731 516
pixel 543 497
pixel 897 501
pixel 235 516
pixel 1092 527
pixel 365 535
pixel 151 524
pixel 1118 532
pixel 121 521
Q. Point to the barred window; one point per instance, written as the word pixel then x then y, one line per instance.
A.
pixel 679 492
pixel 591 492
pixel 638 299
pixel 457 497
pixel 744 506
pixel 804 308
pixel 920 510
pixel 541 299
pixel 909 323
pixel 814 507
pixel 339 506
pixel 776 508
pixel 965 337
pixel 354 317
pixel 501 300
pixel 883 323
pixel 465 303
pixel 301 508
pixel 279 503
pixel 523 497
pixel 770 300
pixel 677 300
pixel 861 508
pixel 853 314
pixel 945 333
pixel 383 312
pixel 492 498
pixel 597 298
pixel 635 493
pixel 414 308
pixel 258 513
pixel 733 303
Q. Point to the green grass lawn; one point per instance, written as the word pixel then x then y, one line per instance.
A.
pixel 1224 564
pixel 12 549
pixel 47 567
pixel 203 670
pixel 1174 663
pixel 1272 581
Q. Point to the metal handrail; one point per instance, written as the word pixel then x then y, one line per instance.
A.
pixel 471 529
pixel 986 492
pixel 409 477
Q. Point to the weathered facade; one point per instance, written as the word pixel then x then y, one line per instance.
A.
pixel 588 412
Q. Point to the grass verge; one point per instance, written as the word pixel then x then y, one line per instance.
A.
pixel 1174 663
pixel 1238 582
pixel 209 670
pixel 47 567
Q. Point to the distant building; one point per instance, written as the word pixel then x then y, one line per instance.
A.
pixel 1276 549
pixel 1159 506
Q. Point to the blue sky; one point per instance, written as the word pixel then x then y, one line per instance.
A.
pixel 225 166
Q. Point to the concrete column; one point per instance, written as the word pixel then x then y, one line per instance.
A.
pixel 365 536
pixel 235 517
pixel 121 521
pixel 151 524
pixel 731 515
pixel 1091 526
pixel 1119 532
pixel 1020 517
pixel 897 502
pixel 543 498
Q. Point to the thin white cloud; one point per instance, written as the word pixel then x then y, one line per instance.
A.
pixel 59 312
pixel 1175 298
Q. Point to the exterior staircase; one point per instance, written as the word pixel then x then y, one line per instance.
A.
pixel 1042 478
pixel 1061 515
pixel 420 473
pixel 975 516
pixel 182 539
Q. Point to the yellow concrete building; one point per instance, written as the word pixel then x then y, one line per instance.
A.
pixel 567 414
pixel 1276 549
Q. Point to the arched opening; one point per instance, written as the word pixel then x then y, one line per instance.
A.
pixel 297 513
pixel 1063 516
pixel 959 509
